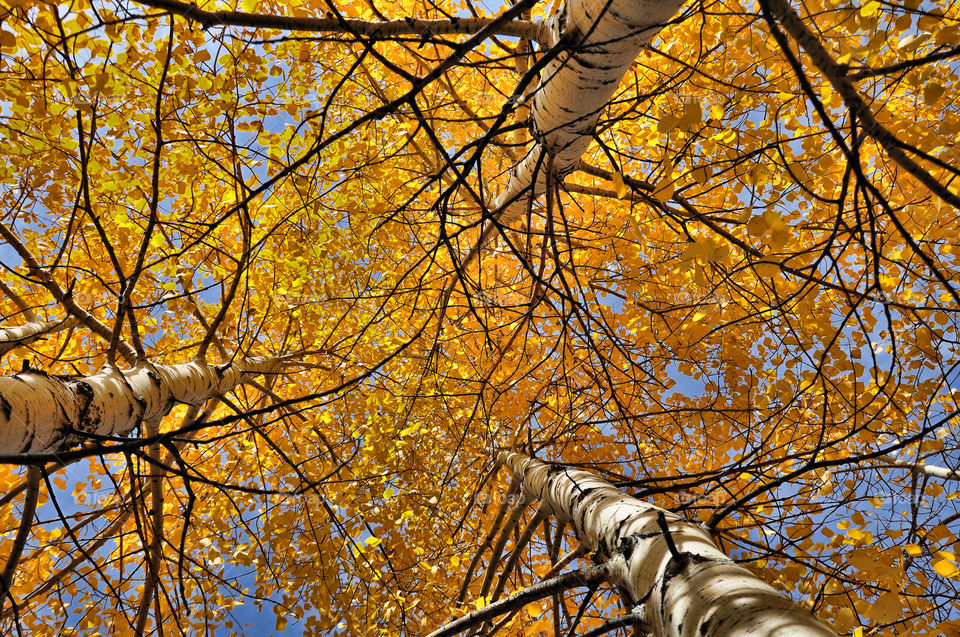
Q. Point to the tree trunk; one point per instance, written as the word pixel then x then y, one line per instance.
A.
pixel 605 37
pixel 686 585
pixel 44 413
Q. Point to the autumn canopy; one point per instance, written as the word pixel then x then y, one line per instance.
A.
pixel 369 317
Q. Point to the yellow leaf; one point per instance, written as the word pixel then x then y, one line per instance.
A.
pixel 667 123
pixel 765 269
pixel 779 237
pixel 756 226
pixel 946 568
pixel 886 608
pixel 619 185
pixel 913 550
pixel 843 620
pixel 932 93
pixel 665 187
pixel 692 115
pixel 870 9
pixel 701 174
pixel 948 36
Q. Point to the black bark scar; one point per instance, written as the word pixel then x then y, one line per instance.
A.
pixel 85 421
pixel 5 407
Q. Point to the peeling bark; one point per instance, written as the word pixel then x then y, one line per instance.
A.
pixel 605 37
pixel 683 583
pixel 44 413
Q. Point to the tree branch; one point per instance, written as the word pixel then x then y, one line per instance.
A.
pixel 13 337
pixel 23 531
pixel 573 579
pixel 336 24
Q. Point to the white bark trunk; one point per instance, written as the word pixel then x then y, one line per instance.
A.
pixel 43 413
pixel 607 36
pixel 696 591
pixel 13 337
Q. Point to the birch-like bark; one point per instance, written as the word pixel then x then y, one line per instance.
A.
pixel 13 337
pixel 671 568
pixel 43 413
pixel 605 37
pixel 918 466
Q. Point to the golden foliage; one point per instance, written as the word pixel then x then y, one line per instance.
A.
pixel 737 309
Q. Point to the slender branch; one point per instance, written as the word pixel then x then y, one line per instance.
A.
pixel 518 548
pixel 633 619
pixel 154 550
pixel 494 527
pixel 23 531
pixel 556 568
pixel 18 301
pixel 376 30
pixel 573 579
pixel 508 527
pixel 906 65
pixel 62 297
pixel 122 516
pixel 690 211
pixel 836 74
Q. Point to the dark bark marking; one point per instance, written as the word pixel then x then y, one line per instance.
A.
pixel 140 401
pixel 553 469
pixel 88 417
pixel 676 565
pixel 626 546
pixel 628 543
pixel 5 407
pixel 583 493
